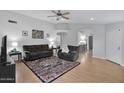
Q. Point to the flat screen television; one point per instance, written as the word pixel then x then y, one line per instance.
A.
pixel 4 50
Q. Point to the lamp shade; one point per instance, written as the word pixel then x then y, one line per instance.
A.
pixel 14 44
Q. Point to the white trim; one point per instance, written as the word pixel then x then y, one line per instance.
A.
pixel 122 65
pixel 99 57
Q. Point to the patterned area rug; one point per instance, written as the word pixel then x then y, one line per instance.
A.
pixel 49 69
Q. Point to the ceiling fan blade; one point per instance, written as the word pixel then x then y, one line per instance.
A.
pixel 65 17
pixel 67 13
pixel 57 19
pixel 52 16
pixel 54 12
pixel 59 11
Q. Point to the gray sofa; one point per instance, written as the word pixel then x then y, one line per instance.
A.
pixel 34 52
pixel 72 55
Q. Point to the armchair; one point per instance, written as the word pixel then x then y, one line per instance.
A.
pixel 72 55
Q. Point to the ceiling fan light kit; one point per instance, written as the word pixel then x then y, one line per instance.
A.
pixel 59 15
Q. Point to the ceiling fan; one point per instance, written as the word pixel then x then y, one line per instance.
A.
pixel 59 15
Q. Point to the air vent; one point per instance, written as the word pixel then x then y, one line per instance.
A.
pixel 12 21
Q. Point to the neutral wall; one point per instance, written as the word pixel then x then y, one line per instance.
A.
pixel 14 31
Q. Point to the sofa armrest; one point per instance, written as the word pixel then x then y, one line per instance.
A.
pixel 26 52
pixel 60 50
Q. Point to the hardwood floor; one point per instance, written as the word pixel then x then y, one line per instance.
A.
pixel 90 70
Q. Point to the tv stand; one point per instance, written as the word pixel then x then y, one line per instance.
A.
pixel 7 72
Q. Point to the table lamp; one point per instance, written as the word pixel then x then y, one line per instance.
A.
pixel 14 45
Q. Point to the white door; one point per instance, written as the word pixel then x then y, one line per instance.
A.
pixel 113 46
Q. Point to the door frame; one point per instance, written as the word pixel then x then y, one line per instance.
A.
pixel 107 57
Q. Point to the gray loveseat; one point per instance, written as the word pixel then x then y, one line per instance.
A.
pixel 72 55
pixel 34 52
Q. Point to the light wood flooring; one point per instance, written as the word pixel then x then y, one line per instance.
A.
pixel 91 70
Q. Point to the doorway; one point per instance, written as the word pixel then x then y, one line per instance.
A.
pixel 90 41
pixel 113 46
pixel 90 45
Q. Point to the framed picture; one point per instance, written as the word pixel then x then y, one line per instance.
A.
pixel 24 33
pixel 37 34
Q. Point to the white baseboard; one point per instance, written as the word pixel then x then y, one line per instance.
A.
pixel 122 65
pixel 99 57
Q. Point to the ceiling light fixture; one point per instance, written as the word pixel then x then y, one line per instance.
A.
pixel 92 19
pixel 59 15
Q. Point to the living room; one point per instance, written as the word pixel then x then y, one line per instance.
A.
pixel 74 30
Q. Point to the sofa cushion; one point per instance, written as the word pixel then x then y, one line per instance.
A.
pixel 44 47
pixel 73 48
pixel 35 48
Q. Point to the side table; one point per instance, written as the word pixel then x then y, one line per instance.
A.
pixel 18 53
pixel 56 50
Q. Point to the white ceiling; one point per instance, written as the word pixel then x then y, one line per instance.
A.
pixel 78 16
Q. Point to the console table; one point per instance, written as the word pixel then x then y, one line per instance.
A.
pixel 18 53
pixel 56 50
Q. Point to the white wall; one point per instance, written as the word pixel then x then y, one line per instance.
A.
pixel 98 32
pixel 114 26
pixel 99 41
pixel 71 35
pixel 14 31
